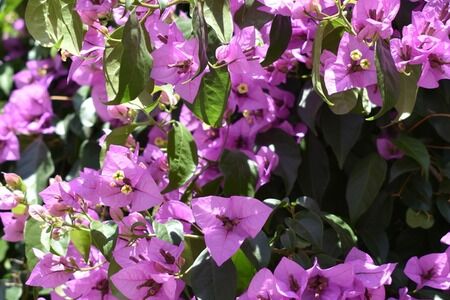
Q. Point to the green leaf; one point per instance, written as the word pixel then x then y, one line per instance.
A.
pixel 397 89
pixel 258 250
pixel 182 156
pixel 70 26
pixel 309 226
pixel 59 246
pixel 90 155
pixel 250 15
pixel 345 233
pixel 415 149
pixel 35 167
pixel 278 42
pixel 104 237
pixel 171 231
pixel 6 78
pixel 111 62
pixel 240 173
pixel 245 271
pixel 201 33
pixel 212 97
pixel 288 152
pixel 119 135
pixel 135 62
pixel 419 219
pixel 32 238
pixel 323 30
pixel 366 179
pixel 3 249
pixel 42 22
pixel 402 166
pixel 209 281
pixel 378 244
pixel 218 15
pixel 54 22
pixel 340 132
pixel 81 239
pixel 315 170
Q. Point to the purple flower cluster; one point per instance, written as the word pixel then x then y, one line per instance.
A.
pixel 29 109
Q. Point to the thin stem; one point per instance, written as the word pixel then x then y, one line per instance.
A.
pixel 423 120
pixel 60 98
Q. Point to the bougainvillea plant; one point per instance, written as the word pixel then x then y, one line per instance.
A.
pixel 225 149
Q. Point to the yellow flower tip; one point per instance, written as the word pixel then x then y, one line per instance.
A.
pixel 126 189
pixel 119 175
pixel 242 88
pixel 365 64
pixel 355 55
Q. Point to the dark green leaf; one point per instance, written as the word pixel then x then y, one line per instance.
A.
pixel 212 97
pixel 135 62
pixel 288 152
pixel 308 106
pixel 309 226
pixel 218 15
pixel 402 166
pixel 258 250
pixel 35 167
pixel 104 237
pixel 278 42
pixel 81 239
pixel 212 282
pixel 314 171
pixel 201 33
pixel 182 155
pixel 366 179
pixel 345 233
pixel 341 132
pixel 90 155
pixel 3 249
pixel 251 15
pixel 415 149
pixel 378 244
pixel 119 135
pixel 171 231
pixel 240 173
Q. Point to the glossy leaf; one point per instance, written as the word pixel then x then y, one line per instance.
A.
pixel 171 231
pixel 104 237
pixel 135 62
pixel 209 281
pixel 32 238
pixel 81 239
pixel 218 15
pixel 309 226
pixel 278 42
pixel 35 167
pixel 182 156
pixel 258 250
pixel 415 149
pixel 212 97
pixel 240 173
